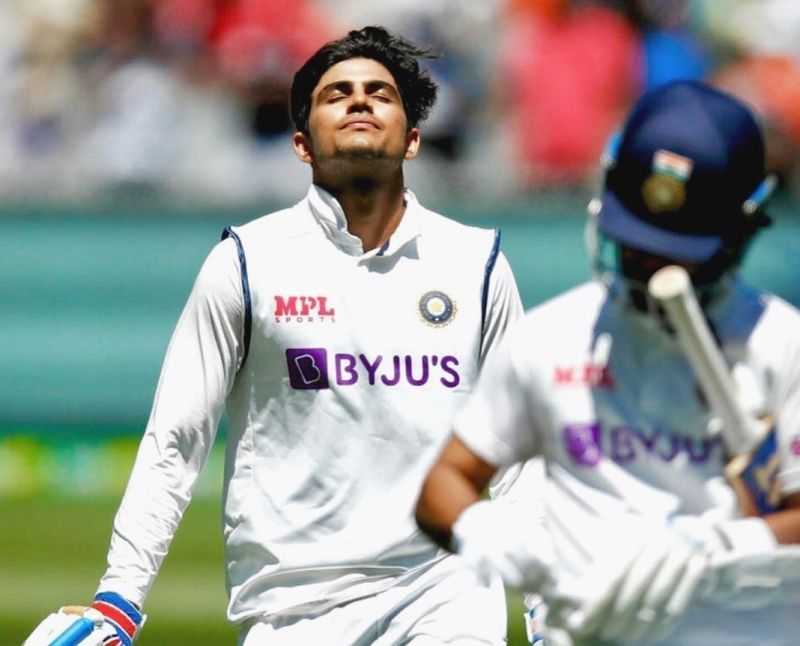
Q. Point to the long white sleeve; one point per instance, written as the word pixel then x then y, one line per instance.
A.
pixel 198 372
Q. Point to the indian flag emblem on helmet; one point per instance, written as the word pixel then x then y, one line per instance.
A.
pixel 664 191
pixel 436 308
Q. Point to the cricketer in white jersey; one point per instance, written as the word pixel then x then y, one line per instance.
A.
pixel 633 517
pixel 356 364
pixel 340 334
pixel 606 396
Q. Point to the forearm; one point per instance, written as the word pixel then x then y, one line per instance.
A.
pixel 455 482
pixel 156 497
pixel 785 524
pixel 445 495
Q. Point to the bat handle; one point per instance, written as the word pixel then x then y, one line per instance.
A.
pixel 80 629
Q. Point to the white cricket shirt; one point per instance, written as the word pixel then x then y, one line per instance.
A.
pixel 341 371
pixel 606 396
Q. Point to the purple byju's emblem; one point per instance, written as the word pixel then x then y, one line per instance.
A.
pixel 308 368
pixel 582 442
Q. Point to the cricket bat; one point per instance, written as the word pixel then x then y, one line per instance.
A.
pixel 751 443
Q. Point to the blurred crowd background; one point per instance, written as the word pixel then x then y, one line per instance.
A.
pixel 186 100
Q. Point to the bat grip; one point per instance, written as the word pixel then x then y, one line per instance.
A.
pixel 80 629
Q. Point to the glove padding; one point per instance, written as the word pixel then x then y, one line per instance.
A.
pixel 505 539
pixel 85 627
pixel 117 622
pixel 747 569
pixel 638 584
pixel 637 587
pixel 754 580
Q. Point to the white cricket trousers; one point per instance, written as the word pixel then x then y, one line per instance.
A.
pixel 443 605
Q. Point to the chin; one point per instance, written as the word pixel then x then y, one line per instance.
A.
pixel 360 152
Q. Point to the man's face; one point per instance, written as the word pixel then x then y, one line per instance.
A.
pixel 639 266
pixel 356 114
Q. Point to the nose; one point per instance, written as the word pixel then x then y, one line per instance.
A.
pixel 359 101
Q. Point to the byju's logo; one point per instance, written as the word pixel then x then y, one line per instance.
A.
pixel 586 444
pixel 302 309
pixel 309 369
pixel 582 442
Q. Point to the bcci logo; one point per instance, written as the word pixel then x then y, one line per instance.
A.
pixel 436 308
pixel 664 191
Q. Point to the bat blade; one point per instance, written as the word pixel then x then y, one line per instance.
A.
pixel 672 288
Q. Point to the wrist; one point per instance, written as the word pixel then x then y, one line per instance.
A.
pixel 124 616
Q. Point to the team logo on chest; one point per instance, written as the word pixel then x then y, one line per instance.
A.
pixel 437 308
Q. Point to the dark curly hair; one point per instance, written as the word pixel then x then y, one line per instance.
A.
pixel 400 57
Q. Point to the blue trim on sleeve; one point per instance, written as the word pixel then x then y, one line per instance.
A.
pixel 490 262
pixel 248 307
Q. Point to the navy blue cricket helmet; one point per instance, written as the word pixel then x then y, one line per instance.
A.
pixel 685 178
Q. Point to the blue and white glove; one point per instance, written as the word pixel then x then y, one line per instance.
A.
pixel 123 616
pixel 110 621
pixel 75 626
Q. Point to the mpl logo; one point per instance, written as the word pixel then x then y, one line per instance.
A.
pixel 303 309
pixel 590 375
pixel 309 369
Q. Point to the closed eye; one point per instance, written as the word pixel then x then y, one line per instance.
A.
pixel 382 91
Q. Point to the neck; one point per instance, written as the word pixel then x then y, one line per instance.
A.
pixel 373 207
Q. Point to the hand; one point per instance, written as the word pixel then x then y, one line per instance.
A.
pixel 71 626
pixel 506 539
pixel 747 568
pixel 637 586
pixel 117 622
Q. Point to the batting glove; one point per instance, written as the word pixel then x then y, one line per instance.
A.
pixel 505 539
pixel 747 567
pixel 123 616
pixel 70 626
pixel 637 586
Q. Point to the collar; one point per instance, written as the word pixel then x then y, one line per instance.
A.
pixel 329 214
pixel 718 301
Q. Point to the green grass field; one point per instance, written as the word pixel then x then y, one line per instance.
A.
pixel 53 552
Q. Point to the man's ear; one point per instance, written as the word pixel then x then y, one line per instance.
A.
pixel 412 143
pixel 301 143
